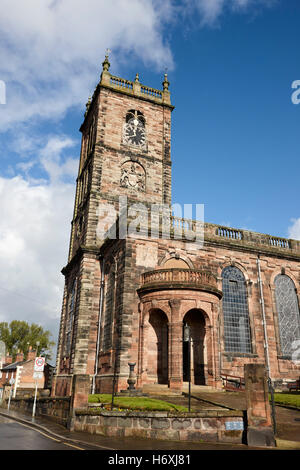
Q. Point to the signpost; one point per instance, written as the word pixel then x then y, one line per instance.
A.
pixel 39 364
pixel 38 370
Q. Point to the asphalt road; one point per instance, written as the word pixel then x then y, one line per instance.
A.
pixel 17 436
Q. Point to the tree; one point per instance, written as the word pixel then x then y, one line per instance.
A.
pixel 19 336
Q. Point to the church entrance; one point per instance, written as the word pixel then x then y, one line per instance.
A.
pixel 196 356
pixel 158 347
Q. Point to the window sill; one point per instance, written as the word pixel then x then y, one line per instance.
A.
pixel 236 354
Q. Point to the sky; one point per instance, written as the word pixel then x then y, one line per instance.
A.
pixel 235 128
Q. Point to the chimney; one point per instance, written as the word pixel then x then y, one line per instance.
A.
pixel 8 360
pixel 31 354
pixel 19 356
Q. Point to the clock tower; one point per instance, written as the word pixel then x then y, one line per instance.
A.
pixel 125 152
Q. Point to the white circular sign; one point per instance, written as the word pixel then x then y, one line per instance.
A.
pixel 39 364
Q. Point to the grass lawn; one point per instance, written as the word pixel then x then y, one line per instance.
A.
pixel 290 399
pixel 136 403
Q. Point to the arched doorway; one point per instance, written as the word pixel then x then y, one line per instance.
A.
pixel 158 347
pixel 196 321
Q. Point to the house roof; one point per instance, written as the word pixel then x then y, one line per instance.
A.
pixel 14 365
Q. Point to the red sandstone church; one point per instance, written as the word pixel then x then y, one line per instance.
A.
pixel 128 298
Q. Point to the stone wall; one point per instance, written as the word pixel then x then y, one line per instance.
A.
pixel 54 408
pixel 210 426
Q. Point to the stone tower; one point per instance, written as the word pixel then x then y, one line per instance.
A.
pixel 125 151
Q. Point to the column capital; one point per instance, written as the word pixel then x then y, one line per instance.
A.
pixel 174 303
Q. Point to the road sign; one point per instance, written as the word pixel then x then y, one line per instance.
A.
pixel 38 375
pixel 39 364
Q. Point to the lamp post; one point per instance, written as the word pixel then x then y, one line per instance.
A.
pixel 187 339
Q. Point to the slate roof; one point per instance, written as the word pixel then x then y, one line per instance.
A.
pixel 14 365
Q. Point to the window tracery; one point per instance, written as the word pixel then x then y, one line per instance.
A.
pixel 237 334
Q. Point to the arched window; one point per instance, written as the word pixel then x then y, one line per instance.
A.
pixel 237 333
pixel 70 317
pixel 288 313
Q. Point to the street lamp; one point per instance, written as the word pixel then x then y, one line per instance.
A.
pixel 187 339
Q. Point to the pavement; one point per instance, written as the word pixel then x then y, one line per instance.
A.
pixel 287 421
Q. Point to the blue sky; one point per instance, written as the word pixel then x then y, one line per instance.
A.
pixel 235 131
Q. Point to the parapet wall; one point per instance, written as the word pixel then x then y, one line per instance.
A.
pixel 53 408
pixel 209 426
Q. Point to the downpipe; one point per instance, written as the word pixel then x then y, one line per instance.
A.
pixel 102 264
pixel 266 345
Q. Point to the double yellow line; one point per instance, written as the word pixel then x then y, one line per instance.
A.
pixel 52 438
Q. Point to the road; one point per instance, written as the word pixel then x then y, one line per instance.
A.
pixel 23 435
pixel 17 436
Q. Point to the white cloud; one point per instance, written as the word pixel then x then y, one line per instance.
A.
pixel 34 236
pixel 51 51
pixel 294 229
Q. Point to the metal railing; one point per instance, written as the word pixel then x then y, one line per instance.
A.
pixel 233 383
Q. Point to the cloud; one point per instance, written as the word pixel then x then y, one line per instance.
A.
pixel 34 236
pixel 294 229
pixel 51 51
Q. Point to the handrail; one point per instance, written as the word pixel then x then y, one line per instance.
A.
pixel 233 382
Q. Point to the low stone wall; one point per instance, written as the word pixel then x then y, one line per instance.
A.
pixel 54 408
pixel 210 426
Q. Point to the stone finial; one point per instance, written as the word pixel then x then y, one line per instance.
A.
pixel 106 63
pixel 166 83
pixel 88 104
pixel 105 75
pixel 166 92
pixel 137 78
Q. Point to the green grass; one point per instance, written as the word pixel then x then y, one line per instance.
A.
pixel 136 403
pixel 290 399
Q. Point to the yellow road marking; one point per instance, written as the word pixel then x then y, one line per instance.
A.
pixel 50 437
pixel 71 445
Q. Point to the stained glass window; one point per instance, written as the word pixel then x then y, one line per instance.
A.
pixel 237 333
pixel 288 313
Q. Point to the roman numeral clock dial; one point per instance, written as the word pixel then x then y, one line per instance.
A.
pixel 135 133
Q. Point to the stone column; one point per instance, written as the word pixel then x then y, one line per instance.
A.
pixel 79 397
pixel 260 430
pixel 175 346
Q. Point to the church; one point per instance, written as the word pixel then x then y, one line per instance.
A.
pixel 130 296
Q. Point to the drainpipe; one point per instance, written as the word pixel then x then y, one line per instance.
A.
pixel 99 322
pixel 266 346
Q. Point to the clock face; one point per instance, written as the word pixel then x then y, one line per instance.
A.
pixel 134 133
